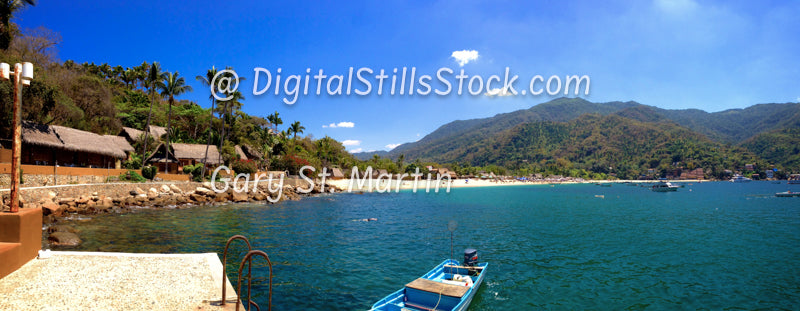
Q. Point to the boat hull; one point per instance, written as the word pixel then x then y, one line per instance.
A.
pixel 410 298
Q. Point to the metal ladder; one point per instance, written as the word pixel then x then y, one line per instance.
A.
pixel 248 258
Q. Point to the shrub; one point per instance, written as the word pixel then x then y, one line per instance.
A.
pixel 149 172
pixel 244 167
pixel 134 163
pixel 291 163
pixel 195 170
pixel 131 176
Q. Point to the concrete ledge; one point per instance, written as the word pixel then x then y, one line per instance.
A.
pixel 24 228
pixel 116 281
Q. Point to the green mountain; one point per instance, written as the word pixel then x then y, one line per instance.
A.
pixel 628 136
pixel 460 132
pixel 602 144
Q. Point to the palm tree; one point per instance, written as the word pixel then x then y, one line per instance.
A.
pixel 234 100
pixel 7 9
pixel 275 120
pixel 128 77
pixel 154 81
pixel 206 80
pixel 296 128
pixel 173 86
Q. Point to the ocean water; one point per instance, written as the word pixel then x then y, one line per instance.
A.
pixel 713 245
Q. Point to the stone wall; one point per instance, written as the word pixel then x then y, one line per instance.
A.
pixel 110 190
pixel 47 180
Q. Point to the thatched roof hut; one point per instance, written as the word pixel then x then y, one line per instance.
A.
pixel 336 173
pixel 134 135
pixel 160 154
pixel 40 135
pixel 240 152
pixel 252 153
pixel 77 140
pixel 158 131
pixel 131 134
pixel 120 142
pixel 196 152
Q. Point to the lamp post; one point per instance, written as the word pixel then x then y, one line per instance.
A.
pixel 23 74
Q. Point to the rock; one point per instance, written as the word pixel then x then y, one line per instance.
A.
pixel 137 191
pixel 82 200
pixel 51 208
pixel 68 201
pixel 64 239
pixel 203 191
pixel 207 185
pixel 197 197
pixel 152 193
pixel 239 196
pixel 175 189
pixel 50 195
pixel 61 228
pixel 165 189
pixel 105 203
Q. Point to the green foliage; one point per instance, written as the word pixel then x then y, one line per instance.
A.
pixel 149 172
pixel 244 167
pixel 134 163
pixel 131 176
pixel 195 170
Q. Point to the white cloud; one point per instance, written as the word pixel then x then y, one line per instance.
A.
pixel 392 146
pixel 464 56
pixel 357 150
pixel 498 92
pixel 351 142
pixel 340 124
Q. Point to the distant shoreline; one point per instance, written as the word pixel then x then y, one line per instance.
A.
pixel 406 184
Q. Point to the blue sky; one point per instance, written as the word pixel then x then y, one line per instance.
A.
pixel 710 55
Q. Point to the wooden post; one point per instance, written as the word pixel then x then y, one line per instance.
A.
pixel 16 144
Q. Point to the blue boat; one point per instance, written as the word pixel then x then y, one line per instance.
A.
pixel 449 286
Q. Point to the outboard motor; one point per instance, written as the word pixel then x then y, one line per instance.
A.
pixel 470 257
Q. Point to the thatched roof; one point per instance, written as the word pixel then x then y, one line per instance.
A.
pixel 158 131
pixel 136 135
pixel 197 152
pixel 336 173
pixel 132 133
pixel 160 155
pixel 121 142
pixel 77 140
pixel 240 152
pixel 40 135
pixel 65 138
pixel 252 152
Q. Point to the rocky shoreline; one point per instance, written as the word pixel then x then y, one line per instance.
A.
pixel 56 203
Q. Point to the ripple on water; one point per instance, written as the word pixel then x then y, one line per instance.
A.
pixel 717 246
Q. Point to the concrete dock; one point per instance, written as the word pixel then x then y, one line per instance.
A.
pixel 116 281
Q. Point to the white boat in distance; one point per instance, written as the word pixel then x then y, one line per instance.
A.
pixel 664 187
pixel 740 178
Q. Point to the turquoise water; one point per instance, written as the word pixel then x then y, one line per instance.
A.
pixel 708 246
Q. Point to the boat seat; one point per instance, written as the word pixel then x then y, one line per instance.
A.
pixel 438 287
